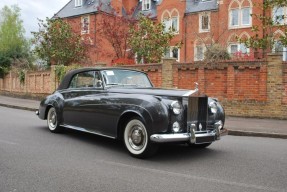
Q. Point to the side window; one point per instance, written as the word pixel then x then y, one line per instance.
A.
pixel 85 79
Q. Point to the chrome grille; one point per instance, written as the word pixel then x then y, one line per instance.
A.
pixel 197 112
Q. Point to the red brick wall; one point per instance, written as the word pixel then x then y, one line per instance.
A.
pixel 249 89
pixel 154 72
pixel 231 81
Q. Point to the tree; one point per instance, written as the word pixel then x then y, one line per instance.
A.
pixel 148 40
pixel 56 43
pixel 216 52
pixel 13 45
pixel 115 29
pixel 270 19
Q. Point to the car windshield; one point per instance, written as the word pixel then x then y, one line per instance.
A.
pixel 125 78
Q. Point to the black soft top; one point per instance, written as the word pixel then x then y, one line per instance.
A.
pixel 67 78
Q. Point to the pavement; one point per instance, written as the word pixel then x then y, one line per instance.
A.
pixel 238 126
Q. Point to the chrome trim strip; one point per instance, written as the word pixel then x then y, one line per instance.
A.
pixel 86 131
pixel 161 138
pixel 180 137
pixel 189 93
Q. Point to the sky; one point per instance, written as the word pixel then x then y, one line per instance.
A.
pixel 33 9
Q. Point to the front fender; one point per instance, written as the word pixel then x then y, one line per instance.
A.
pixel 153 111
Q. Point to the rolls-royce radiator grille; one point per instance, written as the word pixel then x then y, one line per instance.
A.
pixel 197 112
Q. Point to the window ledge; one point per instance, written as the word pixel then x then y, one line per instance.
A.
pixel 204 31
pixel 239 27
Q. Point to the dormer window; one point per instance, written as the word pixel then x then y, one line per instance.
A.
pixel 146 5
pixel 78 3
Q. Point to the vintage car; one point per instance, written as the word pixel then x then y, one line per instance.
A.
pixel 123 104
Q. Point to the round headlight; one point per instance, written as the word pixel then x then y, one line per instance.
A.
pixel 175 127
pixel 176 107
pixel 213 107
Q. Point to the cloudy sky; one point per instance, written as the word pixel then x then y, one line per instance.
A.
pixel 33 9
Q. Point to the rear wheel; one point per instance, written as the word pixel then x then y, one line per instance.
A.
pixel 52 121
pixel 137 141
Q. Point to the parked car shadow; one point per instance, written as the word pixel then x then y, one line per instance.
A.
pixel 166 152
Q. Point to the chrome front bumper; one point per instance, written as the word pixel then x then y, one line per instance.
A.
pixel 196 137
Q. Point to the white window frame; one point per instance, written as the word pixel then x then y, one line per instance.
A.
pixel 169 53
pixel 78 3
pixel 168 24
pixel 231 18
pixel 240 18
pixel 284 52
pixel 239 48
pixel 250 18
pixel 196 52
pixel 284 13
pixel 175 28
pixel 201 30
pixel 82 24
pixel 146 5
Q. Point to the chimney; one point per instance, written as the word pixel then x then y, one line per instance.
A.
pixel 117 6
pixel 130 5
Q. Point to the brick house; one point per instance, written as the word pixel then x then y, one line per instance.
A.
pixel 198 24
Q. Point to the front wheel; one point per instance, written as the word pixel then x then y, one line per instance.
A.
pixel 52 121
pixel 137 139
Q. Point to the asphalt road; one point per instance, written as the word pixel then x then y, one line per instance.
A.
pixel 33 159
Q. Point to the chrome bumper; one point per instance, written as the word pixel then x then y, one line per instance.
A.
pixel 37 112
pixel 196 137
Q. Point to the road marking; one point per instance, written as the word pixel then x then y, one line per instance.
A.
pixel 258 187
pixel 8 142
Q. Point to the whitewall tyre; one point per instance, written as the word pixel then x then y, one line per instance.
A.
pixel 52 121
pixel 136 139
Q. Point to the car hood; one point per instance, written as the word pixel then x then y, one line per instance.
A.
pixel 155 91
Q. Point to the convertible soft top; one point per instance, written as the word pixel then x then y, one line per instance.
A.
pixel 66 80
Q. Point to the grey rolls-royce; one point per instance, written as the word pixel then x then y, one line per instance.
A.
pixel 123 104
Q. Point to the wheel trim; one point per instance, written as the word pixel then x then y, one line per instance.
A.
pixel 136 137
pixel 52 119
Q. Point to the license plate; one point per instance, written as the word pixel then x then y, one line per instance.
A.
pixel 207 139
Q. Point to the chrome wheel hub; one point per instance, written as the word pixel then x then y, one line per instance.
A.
pixel 52 119
pixel 137 138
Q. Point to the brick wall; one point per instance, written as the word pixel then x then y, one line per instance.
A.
pixel 248 89
pixel 35 83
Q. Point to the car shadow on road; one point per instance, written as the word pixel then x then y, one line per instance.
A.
pixel 166 152
pixel 183 152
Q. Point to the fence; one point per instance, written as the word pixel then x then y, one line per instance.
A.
pixel 245 88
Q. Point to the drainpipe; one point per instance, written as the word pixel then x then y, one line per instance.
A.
pixel 95 41
pixel 184 36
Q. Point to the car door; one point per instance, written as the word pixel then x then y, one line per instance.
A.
pixel 82 102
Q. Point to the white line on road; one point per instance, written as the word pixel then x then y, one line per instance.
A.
pixel 8 142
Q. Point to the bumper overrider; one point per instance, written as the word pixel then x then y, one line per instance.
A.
pixel 194 137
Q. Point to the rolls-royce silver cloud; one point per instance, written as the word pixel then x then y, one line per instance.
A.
pixel 123 104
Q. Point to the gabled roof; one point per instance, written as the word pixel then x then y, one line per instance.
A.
pixel 193 6
pixel 152 13
pixel 89 6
